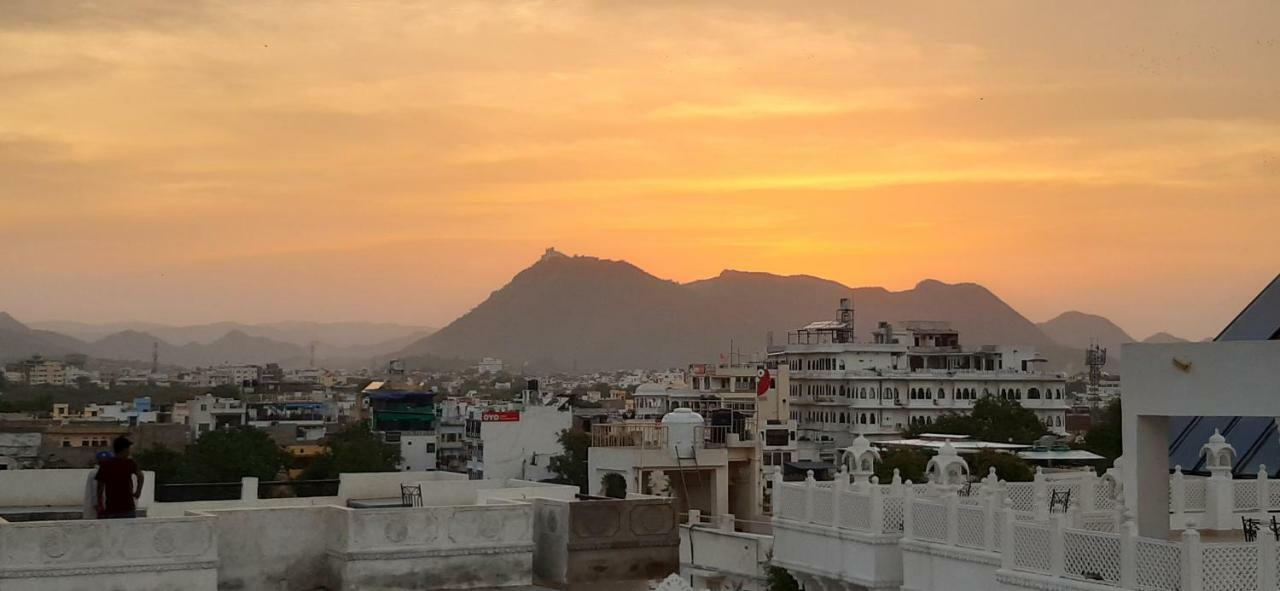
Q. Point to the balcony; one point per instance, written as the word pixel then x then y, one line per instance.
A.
pixel 625 435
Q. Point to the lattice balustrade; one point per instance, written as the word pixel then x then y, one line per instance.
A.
pixel 1230 567
pixel 855 511
pixel 1103 522
pixel 1159 565
pixel 892 514
pixel 822 499
pixel 971 526
pixel 1194 494
pixel 793 502
pixel 1023 495
pixel 929 521
pixel 1245 495
pixel 1089 555
pixel 1273 494
pixel 1104 493
pixel 1031 547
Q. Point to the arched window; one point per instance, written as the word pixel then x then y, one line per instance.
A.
pixel 873 418
pixel 1033 394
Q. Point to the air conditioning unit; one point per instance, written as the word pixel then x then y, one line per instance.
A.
pixel 391 437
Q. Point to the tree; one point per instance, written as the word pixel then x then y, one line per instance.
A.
pixel 353 449
pixel 992 419
pixel 227 455
pixel 1104 437
pixel 909 462
pixel 1009 468
pixel 570 467
pixel 614 485
pixel 169 465
pixel 781 580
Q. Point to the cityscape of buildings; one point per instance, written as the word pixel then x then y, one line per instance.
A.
pixel 723 474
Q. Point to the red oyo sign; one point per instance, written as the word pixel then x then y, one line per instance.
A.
pixel 500 416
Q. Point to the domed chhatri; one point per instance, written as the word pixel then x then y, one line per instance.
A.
pixel 947 469
pixel 1219 456
pixel 861 459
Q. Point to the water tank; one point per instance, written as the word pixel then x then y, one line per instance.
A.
pixel 683 426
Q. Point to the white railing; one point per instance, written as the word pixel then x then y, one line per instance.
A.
pixel 1092 541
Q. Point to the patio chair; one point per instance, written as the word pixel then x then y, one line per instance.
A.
pixel 411 495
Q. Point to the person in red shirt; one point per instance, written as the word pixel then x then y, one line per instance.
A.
pixel 119 483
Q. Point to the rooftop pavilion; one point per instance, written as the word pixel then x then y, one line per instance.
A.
pixel 385 531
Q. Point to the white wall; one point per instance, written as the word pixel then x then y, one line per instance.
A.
pixel 510 447
pixel 1186 379
pixel 417 452
pixel 56 488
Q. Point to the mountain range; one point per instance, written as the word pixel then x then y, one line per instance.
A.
pixel 586 313
pixel 567 313
pixel 348 344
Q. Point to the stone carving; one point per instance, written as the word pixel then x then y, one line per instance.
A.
pixel 396 532
pixel 595 520
pixel 490 525
pixel 673 583
pixel 164 541
pixel 648 520
pixel 55 543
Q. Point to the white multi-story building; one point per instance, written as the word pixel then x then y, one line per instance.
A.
pixel 515 440
pixel 207 412
pixel 912 373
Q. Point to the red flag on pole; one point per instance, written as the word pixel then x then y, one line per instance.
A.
pixel 764 382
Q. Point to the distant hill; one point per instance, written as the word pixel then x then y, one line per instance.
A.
pixel 1078 330
pixel 232 346
pixel 17 340
pixel 327 334
pixel 1164 337
pixel 588 313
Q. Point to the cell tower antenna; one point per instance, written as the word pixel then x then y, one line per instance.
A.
pixel 155 357
pixel 1095 358
pixel 313 355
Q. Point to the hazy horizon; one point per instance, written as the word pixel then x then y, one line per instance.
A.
pixel 191 162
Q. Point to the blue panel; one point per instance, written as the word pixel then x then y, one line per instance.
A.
pixel 1255 441
pixel 1187 452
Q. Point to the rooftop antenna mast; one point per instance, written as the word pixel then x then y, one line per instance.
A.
pixel 155 357
pixel 1095 357
pixel 313 354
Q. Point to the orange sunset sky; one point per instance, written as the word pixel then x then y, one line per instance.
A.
pixel 257 161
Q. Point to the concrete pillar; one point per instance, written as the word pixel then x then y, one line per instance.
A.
pixel 1040 496
pixel 1128 556
pixel 1266 559
pixel 727 522
pixel 1264 491
pixel 1146 478
pixel 1006 539
pixel 908 505
pixel 1192 561
pixel 721 480
pixel 837 496
pixel 1177 496
pixel 249 488
pixel 809 486
pixel 1219 502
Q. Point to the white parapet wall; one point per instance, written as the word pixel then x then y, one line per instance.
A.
pixel 134 554
pixel 432 547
